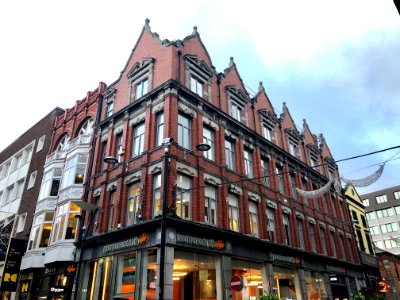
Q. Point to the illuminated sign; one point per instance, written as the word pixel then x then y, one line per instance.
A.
pixel 70 269
pixel 57 289
pixel 24 286
pixel 196 241
pixel 382 286
pixel 13 262
pixel 333 278
pixel 136 241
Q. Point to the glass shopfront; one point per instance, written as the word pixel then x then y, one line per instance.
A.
pixel 287 283
pixel 115 277
pixel 316 286
pixel 195 276
pixel 250 272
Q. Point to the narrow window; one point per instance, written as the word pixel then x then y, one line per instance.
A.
pixel 157 211
pixel 265 171
pixel 184 131
pixel 248 163
pixel 286 228
pixel 342 249
pixel 138 140
pixel 160 129
pixel 271 224
pixel 133 213
pixel 119 151
pixel 233 212
pixel 230 154
pixel 267 132
pixel 293 184
pixel 323 240
pixel 279 177
pixel 253 218
pixel 113 208
pixel 208 138
pixel 109 108
pixel 313 240
pixel 300 232
pixel 236 111
pixel 103 154
pixel 210 205
pixel 333 243
pixel 183 196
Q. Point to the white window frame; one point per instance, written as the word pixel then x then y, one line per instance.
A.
pixel 73 164
pixel 133 207
pixel 210 205
pixel 209 139
pixel 248 162
pixel 197 86
pixel 271 224
pixel 184 131
pixel 253 218
pixel 230 154
pixel 141 88
pixel 233 212
pixel 183 196
pixel 160 129
pixel 157 207
pixel 138 140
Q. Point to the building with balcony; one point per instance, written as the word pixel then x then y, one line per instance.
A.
pixel 21 171
pixel 51 243
pixel 172 222
pixel 383 215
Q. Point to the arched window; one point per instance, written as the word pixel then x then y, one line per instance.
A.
pixel 85 131
pixel 62 146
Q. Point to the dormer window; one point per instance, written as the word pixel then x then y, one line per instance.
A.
pixel 140 79
pixel 198 76
pixel 267 132
pixel 236 111
pixel 141 88
pixel 268 121
pixel 237 105
pixel 293 142
pixel 196 86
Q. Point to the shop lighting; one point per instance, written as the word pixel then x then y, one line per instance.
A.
pixel 176 278
pixel 179 274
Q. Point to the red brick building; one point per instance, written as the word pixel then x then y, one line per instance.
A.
pixel 51 243
pixel 232 210
pixel 389 268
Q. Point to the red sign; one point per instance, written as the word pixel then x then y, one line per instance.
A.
pixel 382 286
pixel 236 283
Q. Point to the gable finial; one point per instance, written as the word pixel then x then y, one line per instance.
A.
pixel 147 24
pixel 195 30
pixel 284 108
pixel 231 62
pixel 260 86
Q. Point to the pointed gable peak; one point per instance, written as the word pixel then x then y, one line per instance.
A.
pixel 146 26
pixel 195 32
pixel 285 109
pixel 261 87
pixel 305 125
pixel 231 62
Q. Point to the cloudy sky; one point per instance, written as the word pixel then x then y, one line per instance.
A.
pixel 335 63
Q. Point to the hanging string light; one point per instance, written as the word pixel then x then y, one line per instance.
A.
pixel 363 182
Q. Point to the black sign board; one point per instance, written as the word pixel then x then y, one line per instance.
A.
pixel 13 262
pixel 70 269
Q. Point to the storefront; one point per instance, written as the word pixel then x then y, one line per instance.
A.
pixel 200 265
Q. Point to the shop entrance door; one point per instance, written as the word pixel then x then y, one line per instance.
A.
pixel 339 291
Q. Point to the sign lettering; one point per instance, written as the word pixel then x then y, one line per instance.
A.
pixel 196 241
pixel 12 265
pixel 136 241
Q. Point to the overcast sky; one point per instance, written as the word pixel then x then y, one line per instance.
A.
pixel 335 63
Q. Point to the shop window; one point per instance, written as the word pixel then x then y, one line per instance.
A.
pixel 134 204
pixel 157 211
pixel 184 131
pixel 271 230
pixel 74 172
pixel 97 279
pixel 195 276
pixel 253 216
pixel 230 155
pixel 286 229
pixel 65 222
pixel 208 138
pixel 287 283
pixel 138 140
pixel 125 276
pixel 50 183
pixel 248 163
pixel 160 129
pixel 183 199
pixel 252 279
pixel 265 172
pixel 210 205
pixel 41 229
pixel 315 285
pixel 233 212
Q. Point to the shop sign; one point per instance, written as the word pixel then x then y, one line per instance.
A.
pixel 135 241
pixel 70 269
pixel 202 242
pixel 382 287
pixel 12 265
pixel 24 286
pixel 287 259
pixel 236 283
pixel 48 271
pixel 57 289
pixel 336 269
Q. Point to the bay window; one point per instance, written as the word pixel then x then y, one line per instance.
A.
pixel 65 222
pixel 40 232
pixel 74 172
pixel 50 183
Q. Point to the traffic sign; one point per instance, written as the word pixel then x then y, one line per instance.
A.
pixel 236 283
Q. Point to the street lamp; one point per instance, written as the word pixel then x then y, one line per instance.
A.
pixel 199 147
